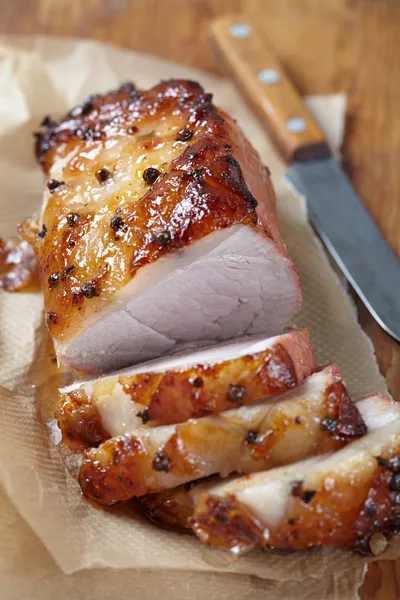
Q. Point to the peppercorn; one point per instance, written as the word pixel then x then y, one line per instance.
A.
pixel 42 233
pixel 144 415
pixel 162 238
pixel 184 135
pixel 51 317
pixel 197 382
pixel 53 280
pixel 251 437
pixel 53 184
pixel 307 496
pixel 235 393
pixel 329 424
pixel 66 272
pixel 72 219
pixel 89 290
pixel 161 462
pixel 150 175
pixel 103 175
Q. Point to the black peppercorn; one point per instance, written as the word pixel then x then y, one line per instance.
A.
pixel 197 382
pixel 150 175
pixel 47 121
pixel 89 290
pixel 72 219
pixel 184 135
pixel 251 437
pixel 103 175
pixel 66 272
pixel 42 233
pixel 235 393
pixel 53 280
pixel 51 317
pixel 162 238
pixel 116 222
pixel 144 415
pixel 161 462
pixel 307 496
pixel 53 184
pixel 328 424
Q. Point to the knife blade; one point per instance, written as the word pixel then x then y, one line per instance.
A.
pixel 337 213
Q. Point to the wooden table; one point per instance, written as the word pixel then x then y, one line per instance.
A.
pixel 326 46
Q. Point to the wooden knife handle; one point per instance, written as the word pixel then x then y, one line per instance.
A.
pixel 253 66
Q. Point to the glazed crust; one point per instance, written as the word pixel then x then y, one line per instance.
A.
pixel 137 464
pixel 345 517
pixel 103 222
pixel 175 396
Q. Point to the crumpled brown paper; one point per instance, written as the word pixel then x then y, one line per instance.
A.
pixel 41 76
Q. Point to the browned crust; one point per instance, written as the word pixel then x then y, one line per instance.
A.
pixel 171 509
pixel 175 396
pixel 203 192
pixel 345 517
pixel 123 466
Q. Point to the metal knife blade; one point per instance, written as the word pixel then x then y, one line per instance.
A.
pixel 352 238
pixel 337 213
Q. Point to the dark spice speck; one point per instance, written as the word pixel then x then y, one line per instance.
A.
pixel 116 222
pixel 72 219
pixel 144 415
pixel 42 233
pixel 89 290
pixel 251 437
pixel 53 280
pixel 307 496
pixel 51 317
pixel 184 135
pixel 235 393
pixel 66 272
pixel 329 424
pixel 103 174
pixel 162 238
pixel 197 382
pixel 47 121
pixel 132 129
pixel 53 184
pixel 161 462
pixel 150 175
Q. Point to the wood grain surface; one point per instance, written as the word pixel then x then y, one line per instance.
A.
pixel 325 46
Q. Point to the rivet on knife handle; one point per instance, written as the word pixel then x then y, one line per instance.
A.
pixel 260 77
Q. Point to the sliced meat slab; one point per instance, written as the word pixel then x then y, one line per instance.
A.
pixel 345 499
pixel 159 228
pixel 192 384
pixel 315 418
pixel 175 508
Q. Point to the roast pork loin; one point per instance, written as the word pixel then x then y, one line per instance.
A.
pixel 315 418
pixel 346 499
pixel 159 228
pixel 341 499
pixel 191 384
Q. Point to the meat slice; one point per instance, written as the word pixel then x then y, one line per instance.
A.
pixel 342 499
pixel 159 228
pixel 315 418
pixel 192 384
pixel 174 508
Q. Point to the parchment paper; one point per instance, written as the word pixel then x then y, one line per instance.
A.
pixel 62 531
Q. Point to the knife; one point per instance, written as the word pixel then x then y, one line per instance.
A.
pixel 337 213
